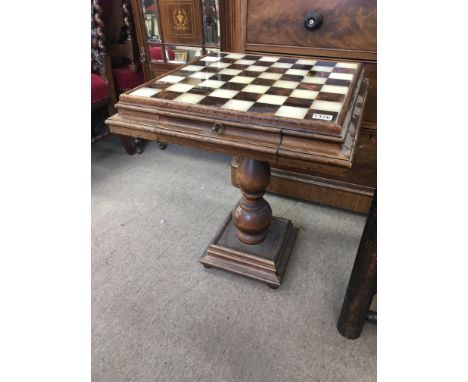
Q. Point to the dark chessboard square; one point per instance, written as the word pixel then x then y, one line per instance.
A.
pixel 263 63
pixel 213 101
pixel 221 77
pixel 202 90
pixel 264 108
pixel 238 66
pixel 334 97
pixel 167 94
pixel 302 67
pixel 211 69
pixel 291 77
pixel 249 73
pixel 307 86
pixel 287 60
pixel 160 85
pixel 263 81
pixel 233 86
pixel 298 102
pixel 183 73
pixel 334 81
pixel 229 60
pixel 276 70
pixel 191 81
pixel 248 96
pixel 325 63
pixel 251 57
pixel 344 70
pixel 321 115
pixel 279 91
pixel 318 73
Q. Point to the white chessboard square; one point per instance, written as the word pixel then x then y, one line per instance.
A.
pixel 272 99
pixel 306 62
pixel 255 89
pixel 181 88
pixel 341 76
pixel 212 84
pixel 237 104
pixel 244 62
pixel 347 65
pixel 210 58
pixel 193 68
pixel 269 59
pixel 292 112
pixel 255 68
pixel 281 65
pixel 171 79
pixel 145 92
pixel 189 98
pixel 305 94
pixel 285 84
pixel 224 93
pixel 242 79
pixel 297 72
pixel 314 80
pixel 235 56
pixel 202 75
pixel 319 68
pixel 230 72
pixel 326 105
pixel 270 76
pixel 334 89
pixel 219 64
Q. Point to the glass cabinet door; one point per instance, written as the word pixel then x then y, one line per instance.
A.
pixel 175 32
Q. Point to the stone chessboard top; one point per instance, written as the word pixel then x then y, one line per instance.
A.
pixel 267 86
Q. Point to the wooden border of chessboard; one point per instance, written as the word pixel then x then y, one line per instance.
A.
pixel 319 129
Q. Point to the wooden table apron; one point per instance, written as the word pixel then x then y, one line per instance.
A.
pixel 250 242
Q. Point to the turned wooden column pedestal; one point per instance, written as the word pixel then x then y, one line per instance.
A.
pixel 251 242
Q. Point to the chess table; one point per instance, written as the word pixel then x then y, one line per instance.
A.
pixel 297 112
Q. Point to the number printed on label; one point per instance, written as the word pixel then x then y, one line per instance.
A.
pixel 324 117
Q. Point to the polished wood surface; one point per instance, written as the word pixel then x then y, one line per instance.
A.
pixel 181 21
pixel 363 281
pixel 348 32
pixel 351 189
pixel 251 242
pixel 347 25
pixel 252 215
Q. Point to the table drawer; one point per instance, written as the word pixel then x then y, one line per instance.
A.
pixel 346 24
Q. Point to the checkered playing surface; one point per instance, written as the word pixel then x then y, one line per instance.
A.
pixel 284 87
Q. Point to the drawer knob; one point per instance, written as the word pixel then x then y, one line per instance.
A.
pixel 217 128
pixel 312 21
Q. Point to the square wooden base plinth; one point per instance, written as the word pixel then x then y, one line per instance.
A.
pixel 265 262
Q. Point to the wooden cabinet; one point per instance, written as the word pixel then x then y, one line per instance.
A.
pixel 171 33
pixel 348 31
pixel 274 25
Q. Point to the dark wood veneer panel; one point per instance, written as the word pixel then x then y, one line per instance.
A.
pixel 347 24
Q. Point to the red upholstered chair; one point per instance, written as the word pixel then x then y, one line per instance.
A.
pixel 156 53
pixel 102 81
pixel 128 73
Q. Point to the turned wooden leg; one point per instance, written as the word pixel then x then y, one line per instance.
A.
pixel 363 280
pixel 252 215
pixel 127 143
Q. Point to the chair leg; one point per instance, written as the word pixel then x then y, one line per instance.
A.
pixel 363 280
pixel 128 144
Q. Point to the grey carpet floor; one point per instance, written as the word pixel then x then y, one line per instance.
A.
pixel 158 315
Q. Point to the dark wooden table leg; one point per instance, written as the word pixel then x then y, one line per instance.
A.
pixel 363 280
pixel 128 144
pixel 251 242
pixel 252 215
